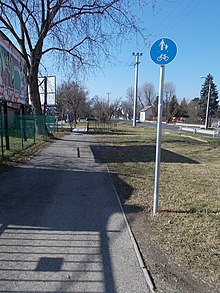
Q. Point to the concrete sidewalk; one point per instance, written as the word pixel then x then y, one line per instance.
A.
pixel 62 228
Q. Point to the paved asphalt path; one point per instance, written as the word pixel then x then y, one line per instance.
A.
pixel 61 226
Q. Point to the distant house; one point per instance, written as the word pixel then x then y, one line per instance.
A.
pixel 146 113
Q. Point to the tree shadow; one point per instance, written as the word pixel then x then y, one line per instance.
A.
pixel 136 154
pixel 56 227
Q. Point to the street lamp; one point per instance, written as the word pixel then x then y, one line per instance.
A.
pixel 208 101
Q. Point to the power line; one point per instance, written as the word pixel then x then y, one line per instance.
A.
pixel 124 72
pixel 182 13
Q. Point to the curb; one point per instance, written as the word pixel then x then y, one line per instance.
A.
pixel 146 272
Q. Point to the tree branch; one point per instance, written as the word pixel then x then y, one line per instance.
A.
pixel 69 51
pixel 19 15
pixel 85 9
pixel 29 12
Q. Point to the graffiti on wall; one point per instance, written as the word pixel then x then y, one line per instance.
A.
pixel 13 84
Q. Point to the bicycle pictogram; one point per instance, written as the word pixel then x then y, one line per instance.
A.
pixel 163 57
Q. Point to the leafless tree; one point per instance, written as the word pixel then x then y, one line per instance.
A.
pixel 126 110
pixel 128 104
pixel 103 110
pixel 148 91
pixel 169 92
pixel 130 95
pixel 72 100
pixel 194 111
pixel 78 30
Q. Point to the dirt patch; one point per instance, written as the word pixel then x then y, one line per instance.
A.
pixel 168 276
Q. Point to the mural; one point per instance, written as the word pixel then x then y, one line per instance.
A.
pixel 13 84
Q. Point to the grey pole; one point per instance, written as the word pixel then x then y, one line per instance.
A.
pixel 108 98
pixel 207 108
pixel 158 144
pixel 136 87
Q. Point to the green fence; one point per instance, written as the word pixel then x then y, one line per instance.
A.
pixel 18 131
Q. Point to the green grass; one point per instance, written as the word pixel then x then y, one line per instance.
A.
pixel 187 225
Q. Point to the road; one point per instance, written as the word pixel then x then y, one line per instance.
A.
pixel 186 128
pixel 171 127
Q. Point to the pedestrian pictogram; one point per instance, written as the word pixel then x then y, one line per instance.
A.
pixel 163 45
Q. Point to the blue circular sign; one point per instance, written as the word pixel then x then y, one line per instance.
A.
pixel 163 51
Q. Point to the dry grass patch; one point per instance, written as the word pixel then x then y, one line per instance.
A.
pixel 187 226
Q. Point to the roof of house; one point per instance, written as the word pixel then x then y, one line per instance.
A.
pixel 146 108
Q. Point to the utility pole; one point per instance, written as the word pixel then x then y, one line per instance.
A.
pixel 136 87
pixel 208 102
pixel 108 97
pixel 207 107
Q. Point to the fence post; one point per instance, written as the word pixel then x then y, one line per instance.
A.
pixel 34 129
pixel 24 131
pixel 6 126
pixel 1 125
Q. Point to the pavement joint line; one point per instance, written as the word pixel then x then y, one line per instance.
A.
pixel 145 270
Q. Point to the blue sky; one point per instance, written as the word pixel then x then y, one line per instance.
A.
pixel 193 25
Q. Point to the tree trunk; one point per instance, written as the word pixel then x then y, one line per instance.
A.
pixel 35 100
pixel 34 90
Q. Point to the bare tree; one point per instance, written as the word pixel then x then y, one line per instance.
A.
pixel 194 111
pixel 103 110
pixel 80 30
pixel 130 95
pixel 148 93
pixel 169 92
pixel 72 100
pixel 127 105
pixel 126 110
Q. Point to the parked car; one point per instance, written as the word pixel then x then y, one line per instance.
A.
pixel 91 119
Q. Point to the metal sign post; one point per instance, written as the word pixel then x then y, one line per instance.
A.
pixel 162 52
pixel 158 144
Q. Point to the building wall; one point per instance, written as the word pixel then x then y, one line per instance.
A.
pixel 145 115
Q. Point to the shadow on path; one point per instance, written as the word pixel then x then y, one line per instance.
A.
pixel 61 228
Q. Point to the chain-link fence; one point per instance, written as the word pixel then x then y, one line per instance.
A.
pixel 18 131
